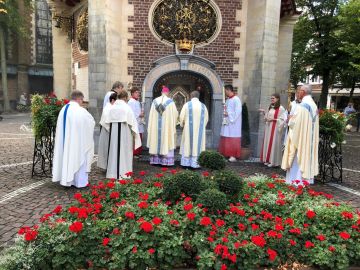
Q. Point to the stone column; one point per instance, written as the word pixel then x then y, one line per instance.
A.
pixel 263 17
pixel 286 29
pixel 61 62
pixel 108 49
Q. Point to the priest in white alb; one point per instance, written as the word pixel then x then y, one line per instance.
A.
pixel 135 105
pixel 74 144
pixel 193 118
pixel 230 135
pixel 103 148
pixel 161 139
pixel 123 137
pixel 116 88
pixel 300 159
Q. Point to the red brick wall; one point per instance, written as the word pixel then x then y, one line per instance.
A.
pixel 147 48
pixel 78 56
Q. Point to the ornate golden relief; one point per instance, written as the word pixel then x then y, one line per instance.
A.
pixel 82 31
pixel 185 21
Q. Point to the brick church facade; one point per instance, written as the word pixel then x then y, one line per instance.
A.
pixel 250 48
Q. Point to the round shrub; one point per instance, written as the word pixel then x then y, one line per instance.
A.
pixel 187 182
pixel 228 182
pixel 213 199
pixel 212 160
pixel 207 183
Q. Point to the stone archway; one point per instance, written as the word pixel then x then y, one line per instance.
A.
pixel 193 64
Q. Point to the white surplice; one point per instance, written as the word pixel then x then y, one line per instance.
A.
pixel 74 146
pixel 123 137
pixel 234 111
pixel 136 108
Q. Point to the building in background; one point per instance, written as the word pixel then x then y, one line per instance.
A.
pixel 185 45
pixel 29 60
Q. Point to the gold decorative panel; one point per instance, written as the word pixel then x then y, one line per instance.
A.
pixel 175 20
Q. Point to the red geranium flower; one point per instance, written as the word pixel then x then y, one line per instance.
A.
pixel 116 231
pixel 114 195
pixel 158 184
pixel 123 182
pixel 223 267
pixel 258 240
pixel 130 215
pixel 220 222
pixel 188 207
pixel 206 174
pixel 157 220
pixel 142 173
pixel 174 222
pixel 289 221
pixel 241 227
pixel 332 248
pixel 190 216
pixel 321 237
pixel 344 235
pixel 205 221
pixel 143 205
pixel 254 227
pixel 57 209
pixel 31 235
pixel 137 181
pixel 272 254
pixel 129 174
pixel 134 249
pixel 151 251
pixel 292 242
pixel 309 244
pixel 146 226
pixel 76 227
pixel 347 215
pixel 310 214
pixel 106 241
pixel 110 185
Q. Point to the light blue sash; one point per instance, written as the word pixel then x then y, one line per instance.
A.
pixel 313 118
pixel 169 101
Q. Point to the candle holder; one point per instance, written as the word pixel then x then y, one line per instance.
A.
pixel 225 118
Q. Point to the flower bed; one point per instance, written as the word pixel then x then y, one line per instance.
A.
pixel 126 225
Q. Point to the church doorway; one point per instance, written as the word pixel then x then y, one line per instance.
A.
pixel 181 84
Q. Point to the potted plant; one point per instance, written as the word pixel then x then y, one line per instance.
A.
pixel 245 139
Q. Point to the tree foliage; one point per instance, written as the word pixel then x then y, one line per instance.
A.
pixel 322 44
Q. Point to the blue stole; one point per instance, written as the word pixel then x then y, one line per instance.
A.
pixel 64 122
pixel 169 101
pixel 313 118
pixel 191 127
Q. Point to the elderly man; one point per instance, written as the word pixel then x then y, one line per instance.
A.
pixel 161 139
pixel 116 88
pixel 193 117
pixel 300 159
pixel 74 144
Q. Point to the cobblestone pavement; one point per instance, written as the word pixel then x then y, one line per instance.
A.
pixel 23 200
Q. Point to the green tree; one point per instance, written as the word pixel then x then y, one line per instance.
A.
pixel 319 45
pixel 11 21
pixel 349 35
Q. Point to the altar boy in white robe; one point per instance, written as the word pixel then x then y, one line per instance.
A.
pixel 104 134
pixel 123 137
pixel 193 118
pixel 135 105
pixel 74 144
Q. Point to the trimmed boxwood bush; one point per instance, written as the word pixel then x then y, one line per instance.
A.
pixel 212 160
pixel 213 199
pixel 228 182
pixel 187 182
